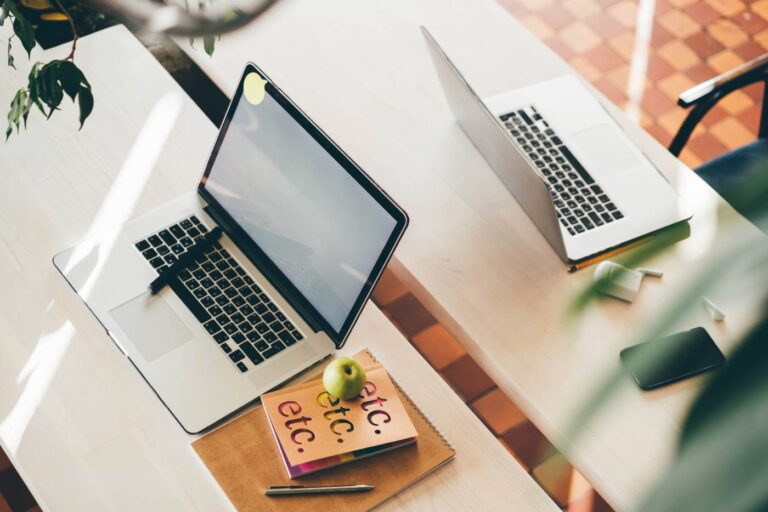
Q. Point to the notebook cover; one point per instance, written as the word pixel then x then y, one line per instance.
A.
pixel 244 459
pixel 312 425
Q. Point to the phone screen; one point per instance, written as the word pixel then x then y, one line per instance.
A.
pixel 672 358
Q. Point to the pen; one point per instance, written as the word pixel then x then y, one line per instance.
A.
pixel 299 490
pixel 185 259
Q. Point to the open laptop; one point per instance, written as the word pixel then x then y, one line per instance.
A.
pixel 585 186
pixel 306 236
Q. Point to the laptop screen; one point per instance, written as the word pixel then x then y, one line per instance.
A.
pixel 303 206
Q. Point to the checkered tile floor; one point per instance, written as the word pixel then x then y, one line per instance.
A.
pixel 643 53
pixel 567 488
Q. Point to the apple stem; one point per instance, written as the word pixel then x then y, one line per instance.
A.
pixel 348 370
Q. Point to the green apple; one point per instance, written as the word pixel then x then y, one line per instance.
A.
pixel 344 378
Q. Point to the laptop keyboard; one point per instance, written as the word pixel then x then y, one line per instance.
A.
pixel 242 319
pixel 580 203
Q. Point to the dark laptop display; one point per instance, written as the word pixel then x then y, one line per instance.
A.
pixel 323 226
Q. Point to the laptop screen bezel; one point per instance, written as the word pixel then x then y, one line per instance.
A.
pixel 260 259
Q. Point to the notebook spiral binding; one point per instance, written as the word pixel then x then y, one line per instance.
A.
pixel 415 407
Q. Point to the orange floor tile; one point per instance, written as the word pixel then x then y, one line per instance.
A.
pixel 643 60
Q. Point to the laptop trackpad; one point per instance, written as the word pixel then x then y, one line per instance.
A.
pixel 151 325
pixel 605 151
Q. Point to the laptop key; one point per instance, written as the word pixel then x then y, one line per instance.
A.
pixel 262 327
pixel 246 327
pixel 230 309
pixel 230 328
pixel 221 300
pixel 142 246
pixel 156 262
pixel 236 356
pixel 270 337
pixel 226 348
pixel 186 241
pixel 177 231
pixel 238 337
pixel 297 335
pixel 242 367
pixel 163 250
pixel 199 293
pixel 237 318
pixel 167 237
pixel 252 353
pixel 177 249
pixel 170 259
pixel 212 326
pixel 220 337
pixel 287 338
pixel 222 318
pixel 208 302
pixel 195 220
pixel 617 215
pixel 149 254
pixel 276 326
pixel 253 336
pixel 186 224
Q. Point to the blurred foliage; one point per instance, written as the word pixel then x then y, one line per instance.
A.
pixel 722 459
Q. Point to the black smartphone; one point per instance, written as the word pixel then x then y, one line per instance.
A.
pixel 672 358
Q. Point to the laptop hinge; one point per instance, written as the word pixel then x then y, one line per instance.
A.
pixel 306 314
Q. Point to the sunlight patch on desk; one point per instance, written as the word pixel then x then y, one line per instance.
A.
pixel 638 64
pixel 127 188
pixel 37 374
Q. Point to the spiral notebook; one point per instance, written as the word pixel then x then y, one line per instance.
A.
pixel 244 459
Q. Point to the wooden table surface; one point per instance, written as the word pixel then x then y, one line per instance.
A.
pixel 78 422
pixel 361 69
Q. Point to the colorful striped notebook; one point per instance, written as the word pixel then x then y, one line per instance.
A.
pixel 315 431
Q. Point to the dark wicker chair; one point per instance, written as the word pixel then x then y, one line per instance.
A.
pixel 728 172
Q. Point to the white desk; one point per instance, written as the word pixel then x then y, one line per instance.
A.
pixel 361 69
pixel 78 422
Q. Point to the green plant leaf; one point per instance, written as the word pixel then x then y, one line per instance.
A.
pixel 24 31
pixel 85 101
pixel 209 43
pixel 4 11
pixel 10 55
pixel 18 110
pixel 71 78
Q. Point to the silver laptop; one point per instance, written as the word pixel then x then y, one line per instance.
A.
pixel 582 182
pixel 307 235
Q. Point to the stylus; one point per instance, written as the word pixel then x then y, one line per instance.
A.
pixel 185 260
pixel 297 490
